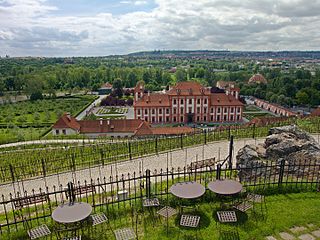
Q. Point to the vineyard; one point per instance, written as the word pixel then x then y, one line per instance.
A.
pixel 35 162
pixel 30 120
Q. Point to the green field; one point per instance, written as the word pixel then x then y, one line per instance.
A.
pixel 251 108
pixel 251 116
pixel 31 119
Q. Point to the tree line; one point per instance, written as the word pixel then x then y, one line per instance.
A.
pixel 35 77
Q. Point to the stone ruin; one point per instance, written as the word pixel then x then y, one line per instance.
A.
pixel 295 147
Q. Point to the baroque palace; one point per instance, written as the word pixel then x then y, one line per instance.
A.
pixel 188 102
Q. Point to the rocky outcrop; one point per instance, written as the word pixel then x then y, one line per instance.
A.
pixel 297 148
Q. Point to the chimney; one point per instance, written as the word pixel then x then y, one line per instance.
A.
pixel 148 93
pixel 68 116
pixel 160 100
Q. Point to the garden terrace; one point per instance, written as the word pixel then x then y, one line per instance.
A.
pixel 291 200
pixel 17 165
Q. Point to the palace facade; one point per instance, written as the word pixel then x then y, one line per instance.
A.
pixel 187 102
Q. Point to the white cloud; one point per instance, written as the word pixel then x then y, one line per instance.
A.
pixel 173 24
pixel 138 3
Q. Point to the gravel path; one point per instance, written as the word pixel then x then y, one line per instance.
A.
pixel 177 158
pixel 95 103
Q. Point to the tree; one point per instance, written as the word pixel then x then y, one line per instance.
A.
pixel 132 79
pixel 118 87
pixel 181 75
pixel 302 97
pixel 34 87
pixel 166 78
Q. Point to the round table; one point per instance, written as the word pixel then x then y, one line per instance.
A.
pixel 71 213
pixel 187 190
pixel 225 187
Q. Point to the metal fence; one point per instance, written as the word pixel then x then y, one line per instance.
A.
pixel 41 163
pixel 110 194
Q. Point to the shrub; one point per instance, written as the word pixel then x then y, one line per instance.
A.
pixel 36 96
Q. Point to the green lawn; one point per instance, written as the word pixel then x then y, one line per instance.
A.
pixel 283 212
pixel 251 116
pixel 251 108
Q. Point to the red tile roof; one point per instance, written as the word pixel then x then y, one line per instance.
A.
pixel 153 100
pixel 172 130
pixel 67 121
pixel 136 126
pixel 221 99
pixel 315 112
pixel 107 85
pixel 143 129
pixel 188 88
pixel 257 78
pixel 112 125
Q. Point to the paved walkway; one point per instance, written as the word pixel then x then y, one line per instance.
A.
pixel 177 158
pixel 95 103
pixel 62 141
pixel 306 232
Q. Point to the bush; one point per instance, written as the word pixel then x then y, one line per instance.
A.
pixel 36 96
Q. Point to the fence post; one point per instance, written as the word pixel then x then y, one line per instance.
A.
pixel 102 157
pixel 230 152
pixel 129 148
pixel 181 141
pixel 148 183
pixel 229 132
pixel 43 167
pixel 254 131
pixel 218 171
pixel 12 173
pixel 71 193
pixel 205 137
pixel 73 162
pixel 281 172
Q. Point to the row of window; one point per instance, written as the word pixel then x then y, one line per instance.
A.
pixel 225 110
pixel 218 118
pixel 63 131
pixel 205 101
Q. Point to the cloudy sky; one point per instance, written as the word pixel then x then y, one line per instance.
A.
pixel 103 27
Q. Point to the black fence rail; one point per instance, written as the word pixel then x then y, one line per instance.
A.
pixel 112 193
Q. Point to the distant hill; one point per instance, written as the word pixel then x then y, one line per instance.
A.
pixel 231 54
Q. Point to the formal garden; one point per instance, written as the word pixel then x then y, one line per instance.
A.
pixel 32 119
pixel 250 112
pixel 111 110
